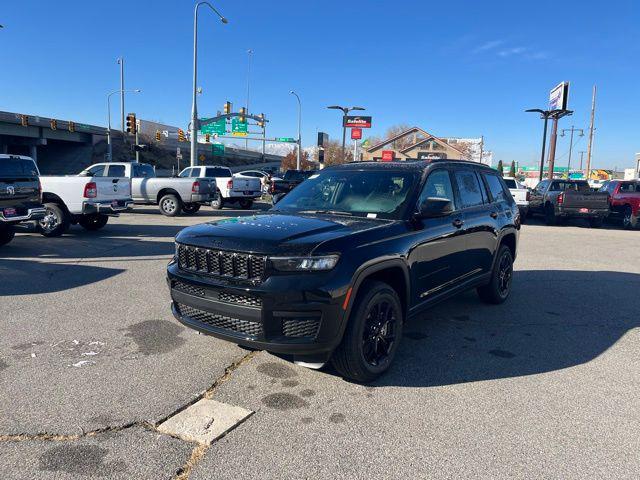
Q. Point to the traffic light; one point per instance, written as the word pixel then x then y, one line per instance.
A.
pixel 53 124
pixel 131 123
pixel 227 108
pixel 207 137
pixel 24 120
pixel 261 120
pixel 242 117
pixel 181 135
pixel 157 135
pixel 72 126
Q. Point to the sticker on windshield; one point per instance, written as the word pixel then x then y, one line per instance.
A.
pixel 314 176
pixel 372 215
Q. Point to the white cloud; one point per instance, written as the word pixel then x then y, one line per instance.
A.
pixel 507 52
pixel 488 46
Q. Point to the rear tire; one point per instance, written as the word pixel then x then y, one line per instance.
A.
pixel 170 205
pixel 596 222
pixel 7 232
pixel 93 222
pixel 372 335
pixel 499 287
pixel 56 221
pixel 628 220
pixel 218 202
pixel 550 215
pixel 190 208
pixel 246 204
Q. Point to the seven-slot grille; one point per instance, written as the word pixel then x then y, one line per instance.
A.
pixel 221 263
pixel 221 321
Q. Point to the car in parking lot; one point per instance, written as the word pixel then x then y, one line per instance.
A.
pixel 338 265
pixel 20 194
pixel 290 180
pixel 520 194
pixel 265 177
pixel 624 200
pixel 228 188
pixel 562 199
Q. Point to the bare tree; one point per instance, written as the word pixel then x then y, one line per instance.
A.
pixel 290 161
pixel 402 142
pixel 333 153
pixel 465 149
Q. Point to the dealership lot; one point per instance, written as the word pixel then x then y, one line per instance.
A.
pixel 91 361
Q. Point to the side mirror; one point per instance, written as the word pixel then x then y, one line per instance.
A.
pixel 434 207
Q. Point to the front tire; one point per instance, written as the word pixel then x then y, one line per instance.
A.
pixel 550 215
pixel 7 232
pixel 190 208
pixel 93 222
pixel 246 204
pixel 55 222
pixel 372 335
pixel 170 205
pixel 218 202
pixel 628 220
pixel 499 287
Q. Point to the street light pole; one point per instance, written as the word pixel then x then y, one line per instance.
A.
pixel 249 53
pixel 109 140
pixel 572 129
pixel 194 106
pixel 298 158
pixel 121 63
pixel 345 112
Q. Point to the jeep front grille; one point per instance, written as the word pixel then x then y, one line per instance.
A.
pixel 253 329
pixel 221 263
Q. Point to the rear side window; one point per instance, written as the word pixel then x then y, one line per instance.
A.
pixel 17 167
pixel 471 193
pixel 214 172
pixel 511 183
pixel 116 171
pixel 142 171
pixel 498 192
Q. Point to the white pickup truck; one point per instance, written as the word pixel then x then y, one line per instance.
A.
pixel 520 194
pixel 229 188
pixel 70 200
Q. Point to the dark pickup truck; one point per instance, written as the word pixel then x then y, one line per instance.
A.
pixel 20 196
pixel 291 179
pixel 562 199
pixel 335 269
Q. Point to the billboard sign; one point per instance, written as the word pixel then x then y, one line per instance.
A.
pixel 559 96
pixel 356 133
pixel 356 121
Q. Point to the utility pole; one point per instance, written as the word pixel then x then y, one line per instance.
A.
pixel 582 152
pixel 121 63
pixel 572 130
pixel 299 155
pixel 589 148
pixel 249 53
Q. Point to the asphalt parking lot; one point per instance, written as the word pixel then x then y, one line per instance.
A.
pixel 544 386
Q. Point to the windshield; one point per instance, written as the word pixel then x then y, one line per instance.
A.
pixel 372 193
pixel 17 167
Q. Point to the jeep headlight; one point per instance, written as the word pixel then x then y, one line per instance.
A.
pixel 305 264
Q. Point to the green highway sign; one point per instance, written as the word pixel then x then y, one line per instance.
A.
pixel 238 127
pixel 285 139
pixel 219 127
pixel 217 149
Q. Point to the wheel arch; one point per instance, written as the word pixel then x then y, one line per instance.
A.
pixel 48 197
pixel 167 191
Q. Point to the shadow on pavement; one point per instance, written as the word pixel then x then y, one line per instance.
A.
pixel 609 223
pixel 21 277
pixel 553 320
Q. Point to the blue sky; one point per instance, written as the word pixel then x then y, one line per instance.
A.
pixel 456 68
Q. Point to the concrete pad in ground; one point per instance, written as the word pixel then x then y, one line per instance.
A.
pixel 204 421
pixel 131 453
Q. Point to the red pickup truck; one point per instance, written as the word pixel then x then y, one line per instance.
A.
pixel 624 200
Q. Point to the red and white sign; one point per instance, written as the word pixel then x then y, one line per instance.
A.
pixel 388 155
pixel 356 133
pixel 356 121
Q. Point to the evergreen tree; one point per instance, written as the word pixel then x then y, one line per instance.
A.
pixel 512 170
pixel 500 168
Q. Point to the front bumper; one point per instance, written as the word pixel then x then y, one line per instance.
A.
pixel 279 315
pixel 107 208
pixel 31 214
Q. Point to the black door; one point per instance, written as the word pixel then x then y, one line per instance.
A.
pixel 437 256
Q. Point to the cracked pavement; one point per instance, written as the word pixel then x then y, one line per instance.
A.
pixel 91 361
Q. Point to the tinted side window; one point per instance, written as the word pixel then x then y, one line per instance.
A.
pixel 142 171
pixel 185 173
pixel 97 171
pixel 497 190
pixel 116 171
pixel 469 188
pixel 438 185
pixel 542 186
pixel 195 172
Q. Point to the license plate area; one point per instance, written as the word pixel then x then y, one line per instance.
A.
pixel 584 210
pixel 9 212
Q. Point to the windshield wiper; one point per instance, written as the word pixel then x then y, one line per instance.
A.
pixel 330 212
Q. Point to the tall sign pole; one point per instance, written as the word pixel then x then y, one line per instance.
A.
pixel 552 146
pixel 593 114
pixel 121 63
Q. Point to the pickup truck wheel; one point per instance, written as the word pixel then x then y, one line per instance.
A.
pixel 190 208
pixel 550 215
pixel 628 220
pixel 170 205
pixel 499 287
pixel 55 222
pixel 372 335
pixel 218 202
pixel 246 204
pixel 7 232
pixel 93 222
pixel 596 222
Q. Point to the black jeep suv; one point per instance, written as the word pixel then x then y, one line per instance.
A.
pixel 335 269
pixel 19 194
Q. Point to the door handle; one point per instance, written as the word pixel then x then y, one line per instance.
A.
pixel 493 215
pixel 457 223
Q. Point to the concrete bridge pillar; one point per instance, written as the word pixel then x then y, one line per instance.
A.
pixel 33 153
